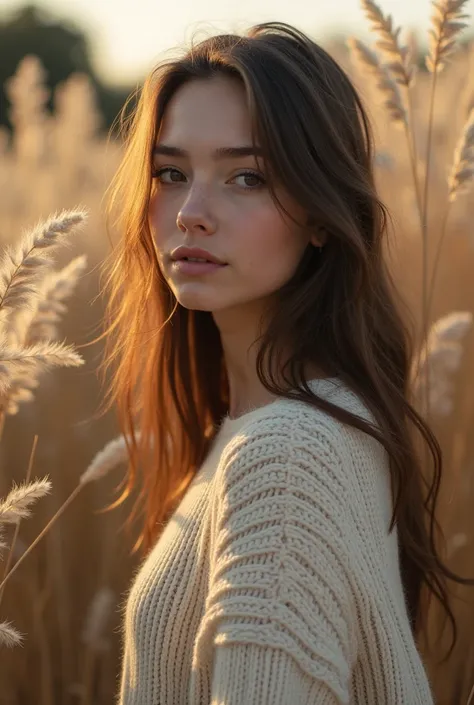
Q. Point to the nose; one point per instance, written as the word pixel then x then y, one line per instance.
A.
pixel 194 216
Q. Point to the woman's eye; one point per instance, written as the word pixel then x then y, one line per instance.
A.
pixel 159 172
pixel 260 181
pixel 251 175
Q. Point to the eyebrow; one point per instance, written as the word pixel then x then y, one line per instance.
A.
pixel 219 153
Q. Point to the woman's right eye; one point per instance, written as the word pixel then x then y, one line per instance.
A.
pixel 156 174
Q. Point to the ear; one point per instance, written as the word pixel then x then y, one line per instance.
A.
pixel 319 238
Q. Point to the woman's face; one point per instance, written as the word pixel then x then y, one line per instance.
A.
pixel 208 201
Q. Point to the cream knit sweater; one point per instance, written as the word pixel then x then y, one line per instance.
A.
pixel 276 581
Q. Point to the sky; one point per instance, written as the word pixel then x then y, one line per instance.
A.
pixel 129 36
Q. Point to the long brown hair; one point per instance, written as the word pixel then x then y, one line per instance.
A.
pixel 340 310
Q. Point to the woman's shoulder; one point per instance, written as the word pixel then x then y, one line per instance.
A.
pixel 284 421
pixel 307 441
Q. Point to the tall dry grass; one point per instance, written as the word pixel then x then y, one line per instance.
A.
pixel 66 567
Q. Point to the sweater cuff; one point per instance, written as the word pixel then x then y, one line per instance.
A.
pixel 257 675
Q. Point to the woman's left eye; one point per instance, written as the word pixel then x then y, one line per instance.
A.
pixel 252 175
pixel 244 174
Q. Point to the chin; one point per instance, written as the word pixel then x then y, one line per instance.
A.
pixel 196 307
pixel 196 303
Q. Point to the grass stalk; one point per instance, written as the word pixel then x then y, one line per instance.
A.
pixel 17 526
pixel 50 523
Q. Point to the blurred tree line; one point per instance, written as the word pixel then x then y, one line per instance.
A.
pixel 62 48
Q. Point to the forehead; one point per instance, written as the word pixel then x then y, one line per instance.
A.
pixel 210 112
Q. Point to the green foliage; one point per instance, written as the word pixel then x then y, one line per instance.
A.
pixel 62 48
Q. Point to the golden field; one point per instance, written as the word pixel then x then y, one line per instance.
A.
pixel 66 599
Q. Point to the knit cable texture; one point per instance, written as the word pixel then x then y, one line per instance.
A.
pixel 281 576
pixel 290 590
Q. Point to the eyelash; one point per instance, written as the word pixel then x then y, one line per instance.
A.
pixel 157 173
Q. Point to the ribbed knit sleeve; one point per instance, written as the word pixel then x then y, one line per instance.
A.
pixel 280 621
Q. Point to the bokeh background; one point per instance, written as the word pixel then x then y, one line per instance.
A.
pixel 66 69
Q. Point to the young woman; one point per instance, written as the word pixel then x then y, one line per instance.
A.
pixel 265 392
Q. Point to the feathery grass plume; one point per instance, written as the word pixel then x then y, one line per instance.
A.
pixel 384 160
pixel 32 360
pixel 18 549
pixel 57 287
pixel 9 636
pixel 447 23
pixel 3 544
pixel 97 618
pixel 456 542
pixel 30 327
pixel 114 453
pixel 398 56
pixel 463 163
pixel 387 87
pixel 39 356
pixel 466 97
pixel 28 95
pixel 23 263
pixel 17 503
pixel 442 354
pixel 446 26
pixel 38 323
pixel 452 327
pixel 19 392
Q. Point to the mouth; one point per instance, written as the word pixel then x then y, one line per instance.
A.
pixel 198 260
pixel 187 266
pixel 195 259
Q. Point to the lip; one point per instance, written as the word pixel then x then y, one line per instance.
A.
pixel 181 252
pixel 195 268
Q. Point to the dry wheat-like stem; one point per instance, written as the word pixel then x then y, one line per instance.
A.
pixel 17 503
pixel 14 361
pixel 18 391
pixel 459 180
pixel 114 453
pixel 3 544
pixel 463 163
pixel 466 100
pixel 445 334
pixel 398 56
pixel 23 264
pixel 446 24
pixel 94 639
pixel 15 546
pixel 39 326
pixel 50 523
pixel 97 617
pixel 57 287
pixel 471 695
pixel 455 542
pixel 388 88
pixel 400 65
pixel 9 636
pixel 452 327
pixel 441 354
pixel 38 322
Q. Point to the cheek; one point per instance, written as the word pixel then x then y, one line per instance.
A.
pixel 271 245
pixel 159 221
